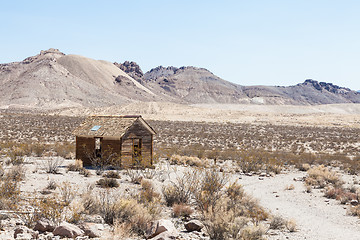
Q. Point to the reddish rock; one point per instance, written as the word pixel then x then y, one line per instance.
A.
pixel 69 230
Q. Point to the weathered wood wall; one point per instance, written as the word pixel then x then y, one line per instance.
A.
pixel 85 148
pixel 139 131
pixel 111 148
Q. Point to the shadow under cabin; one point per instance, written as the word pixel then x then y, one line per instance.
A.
pixel 124 141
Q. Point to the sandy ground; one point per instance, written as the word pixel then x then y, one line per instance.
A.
pixel 316 217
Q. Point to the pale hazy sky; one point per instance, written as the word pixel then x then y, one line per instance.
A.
pixel 248 42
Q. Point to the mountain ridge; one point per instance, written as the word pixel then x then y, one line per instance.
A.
pixel 52 79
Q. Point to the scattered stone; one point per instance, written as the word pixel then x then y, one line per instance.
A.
pixel 263 174
pixel 44 225
pixel 354 202
pixel 92 230
pixel 161 226
pixel 248 174
pixel 261 178
pixel 69 230
pixel 193 225
pixel 24 233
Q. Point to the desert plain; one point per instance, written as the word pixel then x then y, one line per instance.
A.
pixel 245 172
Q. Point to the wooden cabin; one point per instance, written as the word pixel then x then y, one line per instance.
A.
pixel 125 141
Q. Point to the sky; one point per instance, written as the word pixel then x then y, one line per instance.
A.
pixel 257 42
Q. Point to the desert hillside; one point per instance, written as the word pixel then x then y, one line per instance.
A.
pixel 53 80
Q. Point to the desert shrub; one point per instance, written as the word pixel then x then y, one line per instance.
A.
pixel 16 173
pixel 277 222
pixel 354 210
pixel 9 194
pixel 52 164
pixel 207 189
pixel 67 192
pixel 51 185
pixel 111 174
pixel 290 187
pixel 45 208
pixel 15 155
pixel 122 230
pixel 90 203
pixel 304 167
pixel 148 173
pixel 181 190
pixel 147 192
pixel 75 167
pixel 85 172
pixel 217 222
pixel 332 192
pixel 38 149
pixel 107 183
pixel 320 176
pixel 186 160
pixel 64 150
pixel 252 233
pixel 135 175
pixel 121 210
pixel 182 210
pixel 129 210
pixel 75 215
pixel 291 225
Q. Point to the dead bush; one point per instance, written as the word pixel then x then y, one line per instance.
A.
pixel 181 190
pixel 107 183
pixel 252 233
pixel 147 192
pixel 354 210
pixel 46 208
pixel 68 192
pixel 85 172
pixel 64 150
pixel 135 175
pixel 291 225
pixel 207 189
pixel 182 210
pixel 9 194
pixel 16 173
pixel 51 185
pixel 320 176
pixel 15 155
pixel 52 164
pixel 111 174
pixel 75 167
pixel 277 222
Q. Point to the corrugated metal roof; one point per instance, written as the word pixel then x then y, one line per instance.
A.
pixel 111 126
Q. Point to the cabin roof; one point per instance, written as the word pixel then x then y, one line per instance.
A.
pixel 109 126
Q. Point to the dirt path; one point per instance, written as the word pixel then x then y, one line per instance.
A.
pixel 316 216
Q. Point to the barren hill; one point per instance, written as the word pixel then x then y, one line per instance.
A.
pixel 52 80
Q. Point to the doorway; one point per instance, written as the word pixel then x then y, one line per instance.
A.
pixel 137 142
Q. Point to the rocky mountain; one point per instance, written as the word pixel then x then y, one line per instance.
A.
pixel 52 80
pixel 198 85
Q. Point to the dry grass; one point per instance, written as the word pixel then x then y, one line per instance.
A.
pixel 320 176
pixel 111 174
pixel 182 210
pixel 107 183
pixel 291 225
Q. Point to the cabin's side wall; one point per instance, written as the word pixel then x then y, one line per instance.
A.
pixel 137 131
pixel 84 149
